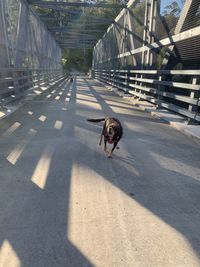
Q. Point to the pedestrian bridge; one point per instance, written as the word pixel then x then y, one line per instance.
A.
pixel 63 202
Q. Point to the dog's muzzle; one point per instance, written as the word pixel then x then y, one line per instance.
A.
pixel 110 134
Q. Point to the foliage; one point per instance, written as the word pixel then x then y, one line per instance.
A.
pixel 75 59
pixel 82 59
pixel 97 20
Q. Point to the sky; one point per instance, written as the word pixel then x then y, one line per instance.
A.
pixel 165 3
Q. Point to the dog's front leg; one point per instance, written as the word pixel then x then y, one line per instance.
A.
pixel 114 146
pixel 102 134
pixel 105 145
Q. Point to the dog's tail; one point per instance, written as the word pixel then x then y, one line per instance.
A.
pixel 96 120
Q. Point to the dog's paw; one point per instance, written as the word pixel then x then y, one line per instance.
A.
pixel 109 155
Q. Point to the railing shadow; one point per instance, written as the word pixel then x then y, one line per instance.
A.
pixel 36 219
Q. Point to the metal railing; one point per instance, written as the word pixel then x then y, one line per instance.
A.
pixel 17 83
pixel 165 88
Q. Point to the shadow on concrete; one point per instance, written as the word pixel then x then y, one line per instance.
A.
pixel 34 217
pixel 35 213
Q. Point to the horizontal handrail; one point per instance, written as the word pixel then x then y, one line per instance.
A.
pixel 171 72
pixel 179 96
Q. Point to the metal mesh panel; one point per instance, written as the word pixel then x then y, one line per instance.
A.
pixel 29 55
pixel 193 17
pixel 153 34
pixel 136 27
pixel 3 38
pixel 24 40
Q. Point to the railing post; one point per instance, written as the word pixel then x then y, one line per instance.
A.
pixel 161 89
pixel 193 108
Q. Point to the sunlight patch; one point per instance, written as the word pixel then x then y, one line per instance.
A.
pixel 111 218
pixel 44 88
pixel 58 125
pixel 98 204
pixel 8 256
pixel 37 92
pixel 42 118
pixel 41 172
pixel 11 129
pixel 177 166
pixel 88 104
pixel 16 153
pixel 2 114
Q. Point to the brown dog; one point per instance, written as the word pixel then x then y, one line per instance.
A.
pixel 112 132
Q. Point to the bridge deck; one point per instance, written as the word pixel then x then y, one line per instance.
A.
pixel 63 203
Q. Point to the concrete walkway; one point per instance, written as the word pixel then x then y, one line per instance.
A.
pixel 63 203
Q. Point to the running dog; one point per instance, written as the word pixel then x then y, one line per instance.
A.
pixel 112 132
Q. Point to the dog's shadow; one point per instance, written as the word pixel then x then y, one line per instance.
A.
pixel 127 160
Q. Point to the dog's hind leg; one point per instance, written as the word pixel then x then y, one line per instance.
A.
pixel 102 134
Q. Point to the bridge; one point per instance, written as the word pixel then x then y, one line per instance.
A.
pixel 63 202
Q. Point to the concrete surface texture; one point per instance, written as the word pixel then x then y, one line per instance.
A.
pixel 64 203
